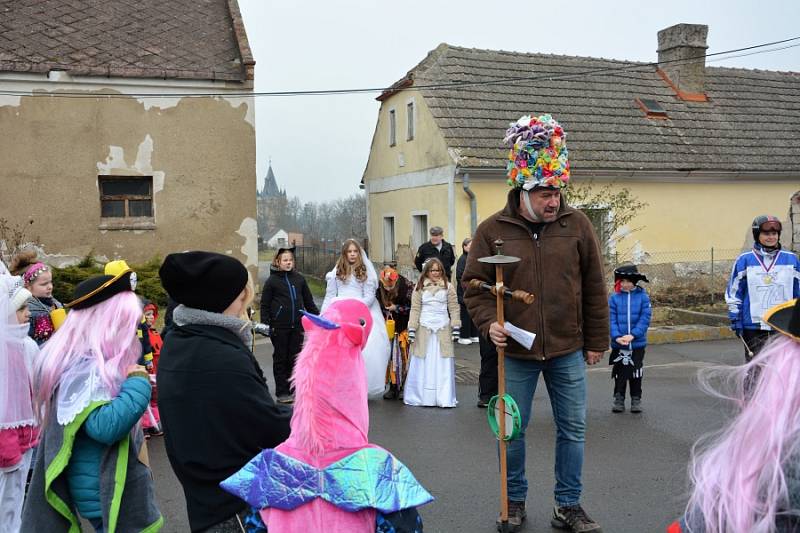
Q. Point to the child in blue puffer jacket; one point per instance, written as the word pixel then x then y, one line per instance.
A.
pixel 630 312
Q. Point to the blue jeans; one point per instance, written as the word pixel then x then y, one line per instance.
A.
pixel 565 378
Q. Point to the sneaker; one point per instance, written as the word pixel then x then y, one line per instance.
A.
pixel 483 403
pixel 575 519
pixel 636 405
pixel 464 341
pixel 474 339
pixel 516 516
pixel 286 398
pixel 619 404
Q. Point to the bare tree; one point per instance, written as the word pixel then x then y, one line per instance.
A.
pixel 610 208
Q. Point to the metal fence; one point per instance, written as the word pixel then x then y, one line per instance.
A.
pixel 684 278
pixel 316 261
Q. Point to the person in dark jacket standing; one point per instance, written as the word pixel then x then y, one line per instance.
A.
pixel 439 248
pixel 561 264
pixel 630 312
pixel 469 333
pixel 213 398
pixel 487 378
pixel 284 295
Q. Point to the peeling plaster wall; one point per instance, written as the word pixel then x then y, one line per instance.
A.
pixel 199 151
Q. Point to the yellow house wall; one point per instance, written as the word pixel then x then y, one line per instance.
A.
pixel 426 150
pixel 679 217
pixel 401 204
pixel 491 197
pixel 698 216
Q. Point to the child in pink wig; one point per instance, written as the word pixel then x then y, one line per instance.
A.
pixel 327 476
pixel 19 431
pixel 91 395
pixel 746 478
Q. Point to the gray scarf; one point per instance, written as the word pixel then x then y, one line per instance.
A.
pixel 188 315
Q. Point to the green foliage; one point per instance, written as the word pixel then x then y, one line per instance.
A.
pixel 609 207
pixel 149 285
pixel 316 286
pixel 65 279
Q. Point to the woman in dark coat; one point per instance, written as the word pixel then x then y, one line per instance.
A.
pixel 214 402
pixel 285 294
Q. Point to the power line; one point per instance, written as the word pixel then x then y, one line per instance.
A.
pixel 435 86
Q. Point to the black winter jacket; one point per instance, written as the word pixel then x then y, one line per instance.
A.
pixel 283 296
pixel 447 256
pixel 217 413
pixel 460 267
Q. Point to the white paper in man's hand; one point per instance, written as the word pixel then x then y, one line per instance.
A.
pixel 520 335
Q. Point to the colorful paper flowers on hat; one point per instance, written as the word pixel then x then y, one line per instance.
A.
pixel 538 155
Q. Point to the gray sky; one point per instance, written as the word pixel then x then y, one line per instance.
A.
pixel 319 144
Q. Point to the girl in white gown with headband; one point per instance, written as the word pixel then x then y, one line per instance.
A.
pixel 355 277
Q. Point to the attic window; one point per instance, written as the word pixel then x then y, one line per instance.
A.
pixel 651 108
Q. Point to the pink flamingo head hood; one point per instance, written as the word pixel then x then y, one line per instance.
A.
pixel 330 412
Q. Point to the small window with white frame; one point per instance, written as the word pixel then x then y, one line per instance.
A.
pixel 601 220
pixel 419 229
pixel 410 121
pixel 388 238
pixel 392 127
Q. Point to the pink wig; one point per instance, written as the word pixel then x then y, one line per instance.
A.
pixel 106 332
pixel 330 412
pixel 738 473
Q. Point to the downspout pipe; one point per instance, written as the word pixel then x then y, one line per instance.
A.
pixel 473 204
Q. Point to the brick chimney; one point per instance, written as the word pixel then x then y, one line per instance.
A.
pixel 681 61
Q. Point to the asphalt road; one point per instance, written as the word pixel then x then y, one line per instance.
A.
pixel 634 472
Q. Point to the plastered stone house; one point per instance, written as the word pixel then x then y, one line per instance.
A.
pixel 128 127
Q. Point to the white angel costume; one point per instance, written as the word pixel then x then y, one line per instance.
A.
pixel 376 351
pixel 17 352
pixel 431 377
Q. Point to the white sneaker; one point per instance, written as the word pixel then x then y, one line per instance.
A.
pixel 474 339
pixel 464 341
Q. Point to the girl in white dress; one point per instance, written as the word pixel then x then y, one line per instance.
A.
pixel 355 277
pixel 433 326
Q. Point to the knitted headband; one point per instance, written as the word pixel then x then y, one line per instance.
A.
pixel 33 271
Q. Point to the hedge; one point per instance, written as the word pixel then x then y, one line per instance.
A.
pixel 149 285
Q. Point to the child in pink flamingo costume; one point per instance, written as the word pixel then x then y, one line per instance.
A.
pixel 326 476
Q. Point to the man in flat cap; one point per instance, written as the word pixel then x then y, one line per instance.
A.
pixel 436 247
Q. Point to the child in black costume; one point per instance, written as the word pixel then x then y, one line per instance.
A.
pixel 285 294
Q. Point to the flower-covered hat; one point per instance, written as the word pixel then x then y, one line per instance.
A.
pixel 538 155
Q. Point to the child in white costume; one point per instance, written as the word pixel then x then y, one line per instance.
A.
pixel 435 315
pixel 355 277
pixel 19 431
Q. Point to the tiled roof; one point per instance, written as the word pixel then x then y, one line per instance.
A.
pixel 750 123
pixel 190 39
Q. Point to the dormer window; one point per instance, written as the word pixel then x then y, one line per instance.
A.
pixel 651 108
